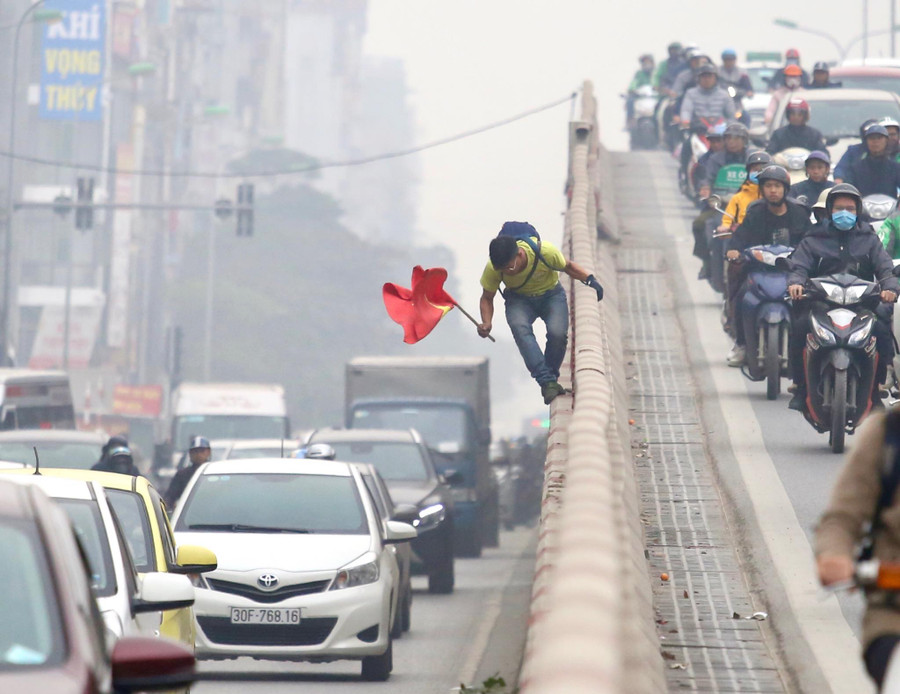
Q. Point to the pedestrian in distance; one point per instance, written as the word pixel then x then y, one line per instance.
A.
pixel 199 452
pixel 529 269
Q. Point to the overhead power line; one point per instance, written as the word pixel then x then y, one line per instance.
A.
pixel 318 166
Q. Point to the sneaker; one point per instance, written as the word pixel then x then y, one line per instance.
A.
pixel 792 388
pixel 737 356
pixel 550 390
pixel 798 402
pixel 704 273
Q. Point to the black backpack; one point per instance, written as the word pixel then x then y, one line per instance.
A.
pixel 523 231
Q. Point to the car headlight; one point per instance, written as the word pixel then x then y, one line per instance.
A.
pixel 357 574
pixel 430 516
pixel 821 332
pixel 861 335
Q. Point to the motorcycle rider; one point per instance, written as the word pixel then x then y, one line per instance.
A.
pixel 716 138
pixel 841 243
pixel 748 192
pixel 796 133
pixel 892 125
pixel 199 452
pixel 858 496
pixel 689 78
pixel 642 78
pixel 793 80
pixel 791 60
pixel 774 219
pixel 736 151
pixel 730 75
pixel 706 100
pixel 669 69
pixel 120 460
pixel 822 77
pixel 818 164
pixel 853 153
pixel 875 171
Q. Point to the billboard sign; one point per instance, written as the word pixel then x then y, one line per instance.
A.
pixel 72 61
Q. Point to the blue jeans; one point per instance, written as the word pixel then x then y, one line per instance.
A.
pixel 552 308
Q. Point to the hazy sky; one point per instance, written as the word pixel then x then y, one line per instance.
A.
pixel 470 62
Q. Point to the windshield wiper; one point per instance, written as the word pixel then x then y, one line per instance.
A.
pixel 243 528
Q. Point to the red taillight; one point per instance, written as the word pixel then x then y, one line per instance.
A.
pixel 888 576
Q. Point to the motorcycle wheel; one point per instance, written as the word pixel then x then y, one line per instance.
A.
pixel 839 412
pixel 772 364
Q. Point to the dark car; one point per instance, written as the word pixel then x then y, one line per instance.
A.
pixel 52 637
pixel 421 495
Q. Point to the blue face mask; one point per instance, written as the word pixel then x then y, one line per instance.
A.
pixel 843 219
pixel 754 177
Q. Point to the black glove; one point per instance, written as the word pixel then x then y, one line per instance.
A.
pixel 592 282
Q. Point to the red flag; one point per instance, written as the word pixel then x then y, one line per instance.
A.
pixel 419 308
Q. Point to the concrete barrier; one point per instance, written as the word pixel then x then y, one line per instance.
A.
pixel 591 626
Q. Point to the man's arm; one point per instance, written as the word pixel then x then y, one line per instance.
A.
pixel 487 312
pixel 576 272
pixel 687 108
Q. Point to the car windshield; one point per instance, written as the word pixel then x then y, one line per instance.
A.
pixel 839 118
pixel 85 518
pixel 443 428
pixel 61 454
pixel 886 82
pixel 228 427
pixel 31 629
pixel 395 461
pixel 289 502
pixel 131 512
pixel 759 77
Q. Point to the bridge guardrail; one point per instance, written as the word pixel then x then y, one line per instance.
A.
pixel 591 627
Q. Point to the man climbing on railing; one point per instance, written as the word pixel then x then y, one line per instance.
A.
pixel 529 268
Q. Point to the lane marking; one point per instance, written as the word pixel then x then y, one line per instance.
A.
pixel 832 641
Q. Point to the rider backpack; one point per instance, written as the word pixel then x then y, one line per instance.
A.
pixel 890 480
pixel 523 231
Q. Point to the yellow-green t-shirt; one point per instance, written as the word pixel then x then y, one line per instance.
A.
pixel 543 280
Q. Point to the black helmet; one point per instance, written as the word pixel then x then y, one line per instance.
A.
pixel 760 157
pixel 737 130
pixel 821 66
pixel 842 189
pixel 865 126
pixel 775 173
pixel 707 69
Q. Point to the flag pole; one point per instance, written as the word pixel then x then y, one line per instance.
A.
pixel 469 316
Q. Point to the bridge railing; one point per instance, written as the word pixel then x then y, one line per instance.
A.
pixel 591 628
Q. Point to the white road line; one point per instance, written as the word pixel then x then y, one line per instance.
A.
pixel 833 643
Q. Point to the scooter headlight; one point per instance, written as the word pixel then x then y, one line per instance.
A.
pixel 825 336
pixel 861 335
pixel 834 291
pixel 852 295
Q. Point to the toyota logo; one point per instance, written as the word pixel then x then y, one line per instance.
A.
pixel 268 581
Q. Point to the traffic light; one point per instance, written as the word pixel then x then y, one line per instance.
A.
pixel 84 216
pixel 245 209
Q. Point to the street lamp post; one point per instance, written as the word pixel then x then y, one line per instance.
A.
pixel 842 49
pixel 44 16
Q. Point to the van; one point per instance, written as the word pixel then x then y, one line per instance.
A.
pixel 32 399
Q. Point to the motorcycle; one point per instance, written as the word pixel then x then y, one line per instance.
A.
pixel 839 357
pixel 643 130
pixel 794 160
pixel 877 208
pixel 728 181
pixel 766 315
pixel 695 138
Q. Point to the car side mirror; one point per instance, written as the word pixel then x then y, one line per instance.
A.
pixel 399 532
pixel 454 478
pixel 144 664
pixel 405 513
pixel 163 591
pixel 191 559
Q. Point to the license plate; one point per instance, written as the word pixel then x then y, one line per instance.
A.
pixel 265 615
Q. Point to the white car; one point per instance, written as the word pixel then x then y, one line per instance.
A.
pixel 131 605
pixel 838 113
pixel 304 572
